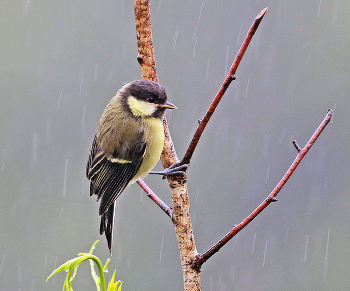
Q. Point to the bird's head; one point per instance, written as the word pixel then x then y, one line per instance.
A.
pixel 145 98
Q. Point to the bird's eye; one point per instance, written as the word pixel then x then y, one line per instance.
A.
pixel 150 100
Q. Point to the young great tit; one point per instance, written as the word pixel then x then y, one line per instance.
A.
pixel 127 145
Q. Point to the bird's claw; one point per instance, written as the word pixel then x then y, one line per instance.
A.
pixel 174 169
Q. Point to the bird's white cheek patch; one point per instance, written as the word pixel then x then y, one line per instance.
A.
pixel 141 108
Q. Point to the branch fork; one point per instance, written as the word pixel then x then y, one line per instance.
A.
pixel 191 260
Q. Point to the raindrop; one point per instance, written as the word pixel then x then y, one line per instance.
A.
pixel 128 263
pixel 61 212
pixel 329 231
pixel 319 9
pixel 122 8
pixel 83 121
pixel 2 262
pixel 26 6
pixel 265 254
pixel 208 64
pixel 246 91
pixel 200 12
pixel 96 72
pixel 326 257
pixel 45 260
pixel 35 146
pixel 227 50
pixel 19 274
pixel 306 245
pixel 81 86
pixel 285 239
pixel 65 179
pixel 325 183
pixel 267 173
pixel 175 37
pixel 53 277
pixel 195 45
pixel 283 133
pixel 239 34
pixel 194 219
pixel 141 194
pixel 197 197
pixel 161 250
pixel 307 61
pixel 3 166
pixel 253 249
pixel 59 101
pixel 333 112
pixel 158 7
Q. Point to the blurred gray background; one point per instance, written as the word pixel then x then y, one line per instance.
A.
pixel 60 63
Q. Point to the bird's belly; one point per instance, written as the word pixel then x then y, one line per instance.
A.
pixel 154 148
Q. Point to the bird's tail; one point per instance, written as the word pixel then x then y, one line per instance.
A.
pixel 106 226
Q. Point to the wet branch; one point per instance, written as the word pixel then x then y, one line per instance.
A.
pixel 201 258
pixel 155 198
pixel 229 78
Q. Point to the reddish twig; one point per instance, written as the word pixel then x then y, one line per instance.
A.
pixel 229 78
pixel 201 258
pixel 155 198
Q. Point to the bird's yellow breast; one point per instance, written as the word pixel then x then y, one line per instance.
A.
pixel 154 135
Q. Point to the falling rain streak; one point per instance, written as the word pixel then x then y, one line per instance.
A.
pixel 200 12
pixel 267 173
pixel 226 61
pixel 246 91
pixel 83 121
pixel 335 104
pixel 65 179
pixel 59 101
pixel 319 9
pixel 195 45
pixel 81 86
pixel 285 239
pixel 208 64
pixel 253 249
pixel 95 72
pixel 26 6
pixel 2 262
pixel 265 254
pixel 19 274
pixel 308 58
pixel 161 250
pixel 239 34
pixel 175 37
pixel 306 246
pixel 53 277
pixel 326 257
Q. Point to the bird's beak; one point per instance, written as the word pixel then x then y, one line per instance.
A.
pixel 167 104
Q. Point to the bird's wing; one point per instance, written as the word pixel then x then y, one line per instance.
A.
pixel 110 175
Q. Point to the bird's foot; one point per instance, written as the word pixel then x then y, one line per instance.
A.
pixel 175 169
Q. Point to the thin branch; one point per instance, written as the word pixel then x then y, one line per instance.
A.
pixel 155 198
pixel 271 198
pixel 229 78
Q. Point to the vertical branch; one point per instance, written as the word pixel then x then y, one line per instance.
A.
pixel 178 185
pixel 145 56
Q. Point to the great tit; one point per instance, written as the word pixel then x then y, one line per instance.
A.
pixel 127 145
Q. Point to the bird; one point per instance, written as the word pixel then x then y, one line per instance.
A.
pixel 127 145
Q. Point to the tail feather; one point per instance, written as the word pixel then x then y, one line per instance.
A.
pixel 106 226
